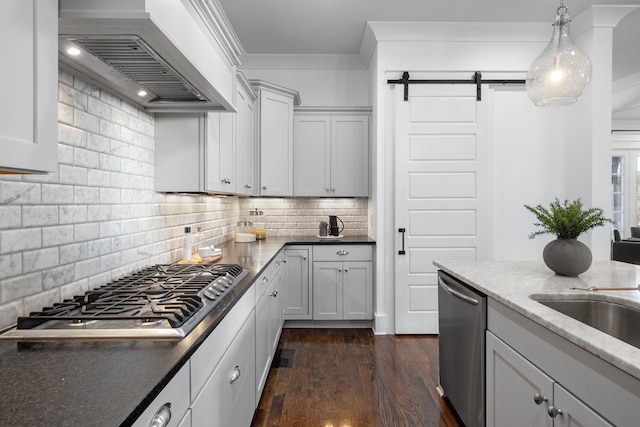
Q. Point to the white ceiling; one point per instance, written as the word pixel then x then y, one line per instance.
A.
pixel 336 26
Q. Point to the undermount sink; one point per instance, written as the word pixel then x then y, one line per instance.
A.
pixel 615 319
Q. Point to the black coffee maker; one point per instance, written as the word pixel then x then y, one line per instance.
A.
pixel 334 230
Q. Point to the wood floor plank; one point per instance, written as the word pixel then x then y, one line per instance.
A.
pixel 352 378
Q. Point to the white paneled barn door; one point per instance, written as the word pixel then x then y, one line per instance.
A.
pixel 442 193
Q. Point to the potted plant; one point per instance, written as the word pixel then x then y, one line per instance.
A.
pixel 566 256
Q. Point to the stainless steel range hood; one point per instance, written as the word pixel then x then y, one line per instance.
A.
pixel 159 54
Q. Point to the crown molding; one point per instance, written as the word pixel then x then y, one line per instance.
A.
pixel 261 84
pixel 219 26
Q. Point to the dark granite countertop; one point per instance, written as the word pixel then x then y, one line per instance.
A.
pixel 111 382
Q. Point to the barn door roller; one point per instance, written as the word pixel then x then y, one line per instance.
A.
pixel 475 80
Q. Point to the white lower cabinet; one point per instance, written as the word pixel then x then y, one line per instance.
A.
pixel 171 406
pixel 342 282
pixel 518 393
pixel 297 283
pixel 536 378
pixel 228 397
pixel 268 324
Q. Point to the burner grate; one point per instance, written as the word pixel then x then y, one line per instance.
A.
pixel 168 292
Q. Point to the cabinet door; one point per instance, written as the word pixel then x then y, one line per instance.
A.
pixel 276 144
pixel 296 296
pixel 349 156
pixel 327 290
pixel 263 342
pixel 28 116
pixel 228 397
pixel 245 143
pixel 357 291
pixel 275 312
pixel 512 385
pixel 180 152
pixel 574 412
pixel 311 154
pixel 219 147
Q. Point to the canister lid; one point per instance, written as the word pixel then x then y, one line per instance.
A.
pixel 244 223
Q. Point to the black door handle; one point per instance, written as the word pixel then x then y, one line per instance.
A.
pixel 402 230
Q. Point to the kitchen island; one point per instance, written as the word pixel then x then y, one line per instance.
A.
pixel 112 382
pixel 558 356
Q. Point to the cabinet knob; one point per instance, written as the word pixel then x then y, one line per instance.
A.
pixel 333 189
pixel 554 412
pixel 247 186
pixel 264 280
pixel 264 187
pixel 539 399
pixel 235 374
pixel 162 417
pixel 284 260
pixel 274 293
pixel 327 190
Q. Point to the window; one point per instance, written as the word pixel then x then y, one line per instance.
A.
pixel 625 185
pixel 617 184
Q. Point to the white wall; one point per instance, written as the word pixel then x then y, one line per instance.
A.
pixel 528 168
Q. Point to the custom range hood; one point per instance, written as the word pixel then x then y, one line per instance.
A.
pixel 163 55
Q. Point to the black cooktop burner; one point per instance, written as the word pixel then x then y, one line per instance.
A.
pixel 168 294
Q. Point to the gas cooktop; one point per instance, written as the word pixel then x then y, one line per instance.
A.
pixel 163 302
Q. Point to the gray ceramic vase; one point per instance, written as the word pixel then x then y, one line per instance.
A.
pixel 567 257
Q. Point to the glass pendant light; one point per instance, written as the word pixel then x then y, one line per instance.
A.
pixel 561 74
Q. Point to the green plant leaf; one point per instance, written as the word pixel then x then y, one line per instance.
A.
pixel 566 220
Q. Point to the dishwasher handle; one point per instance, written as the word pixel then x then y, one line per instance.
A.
pixel 457 294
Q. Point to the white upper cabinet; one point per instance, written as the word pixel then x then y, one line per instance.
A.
pixel 245 138
pixel 29 115
pixel 331 155
pixel 275 134
pixel 194 152
pixel 220 153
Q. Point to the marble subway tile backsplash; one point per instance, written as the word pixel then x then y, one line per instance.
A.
pixel 301 216
pixel 97 218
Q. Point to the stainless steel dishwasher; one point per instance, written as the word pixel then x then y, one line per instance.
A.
pixel 462 313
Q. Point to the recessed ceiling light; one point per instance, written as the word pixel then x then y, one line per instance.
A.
pixel 142 93
pixel 73 51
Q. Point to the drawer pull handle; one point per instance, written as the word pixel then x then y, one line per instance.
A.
pixel 162 417
pixel 235 374
pixel 539 399
pixel 554 412
pixel 343 252
pixel 264 280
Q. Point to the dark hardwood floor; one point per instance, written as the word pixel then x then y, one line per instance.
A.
pixel 352 378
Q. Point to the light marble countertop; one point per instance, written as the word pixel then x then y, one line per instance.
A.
pixel 513 282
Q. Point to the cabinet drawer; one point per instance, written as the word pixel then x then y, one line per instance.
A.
pixel 205 359
pixel 342 253
pixel 228 397
pixel 174 398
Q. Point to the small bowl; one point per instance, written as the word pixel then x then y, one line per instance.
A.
pixel 205 253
